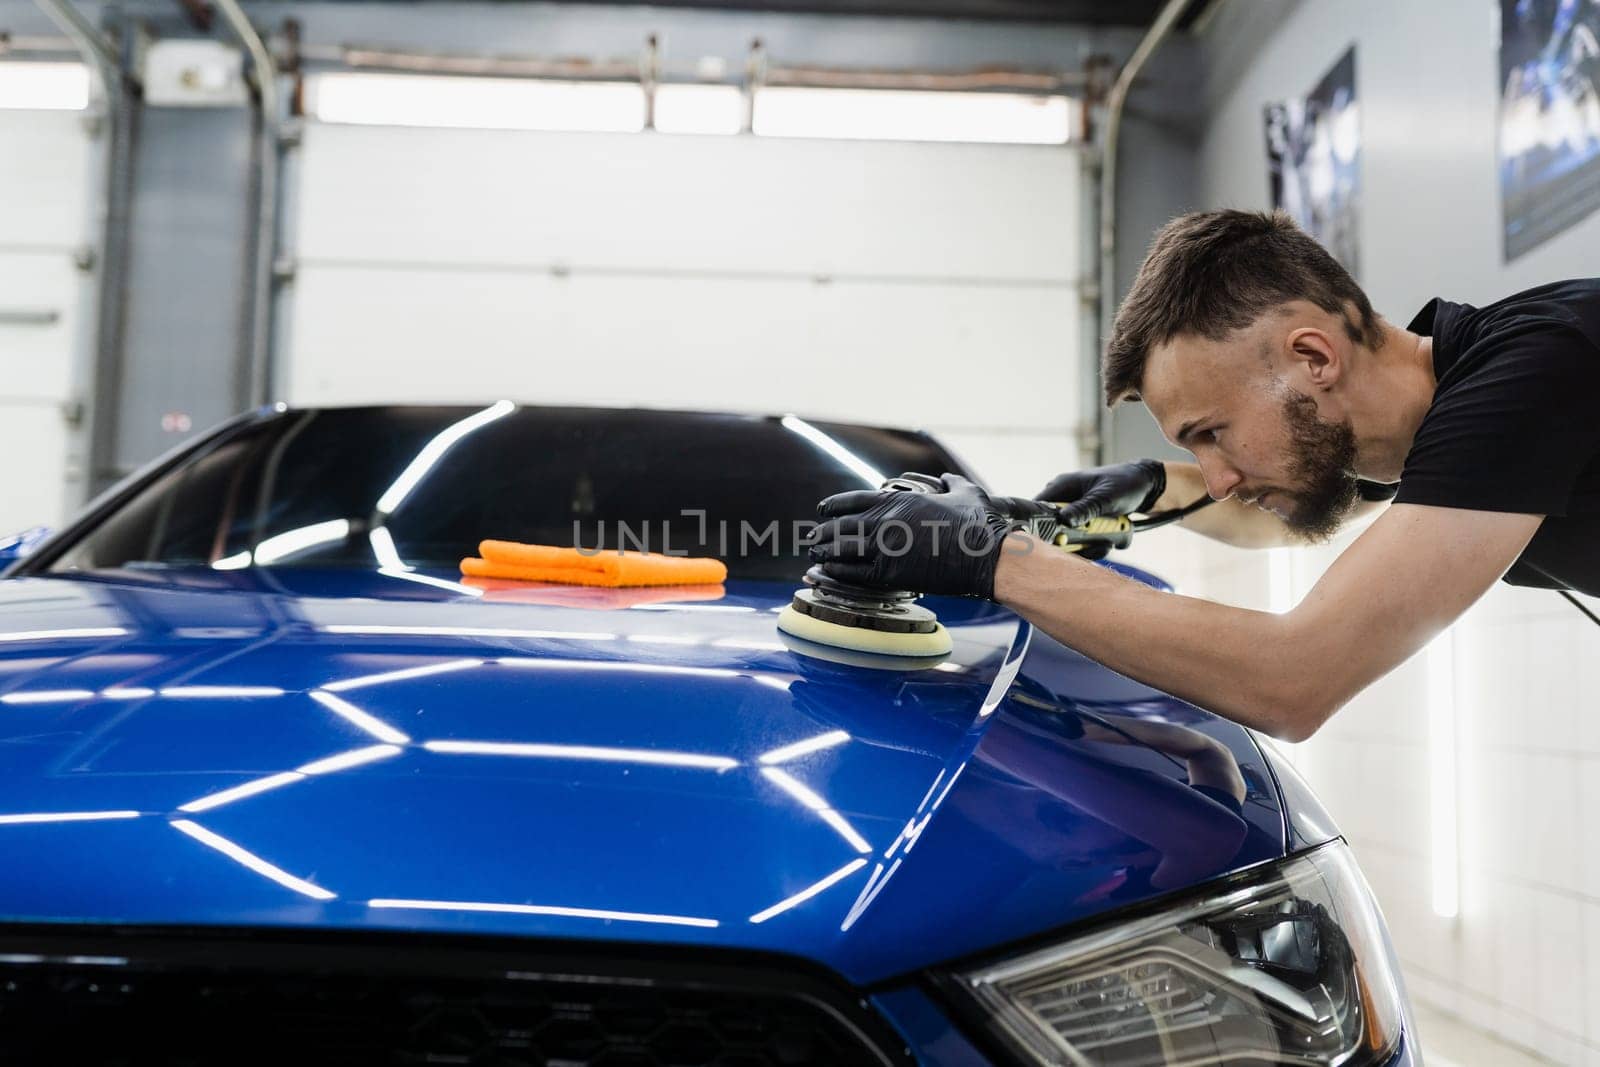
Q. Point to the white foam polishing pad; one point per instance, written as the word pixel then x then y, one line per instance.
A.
pixel 860 639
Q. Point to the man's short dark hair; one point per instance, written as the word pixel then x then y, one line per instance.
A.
pixel 1212 272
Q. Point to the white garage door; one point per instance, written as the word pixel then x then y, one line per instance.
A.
pixel 44 221
pixel 908 284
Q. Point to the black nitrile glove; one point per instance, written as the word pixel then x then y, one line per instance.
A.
pixel 1120 489
pixel 945 542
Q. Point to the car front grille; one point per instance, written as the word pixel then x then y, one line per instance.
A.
pixel 184 999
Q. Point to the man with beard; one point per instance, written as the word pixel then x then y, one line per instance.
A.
pixel 1256 351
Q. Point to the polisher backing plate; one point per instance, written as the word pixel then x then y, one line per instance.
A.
pixel 935 642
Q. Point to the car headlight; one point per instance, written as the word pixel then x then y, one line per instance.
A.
pixel 1287 966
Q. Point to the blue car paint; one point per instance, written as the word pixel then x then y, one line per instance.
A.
pixel 20 545
pixel 967 809
pixel 927 1028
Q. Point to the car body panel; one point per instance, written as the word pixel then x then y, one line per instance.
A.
pixel 1307 823
pixel 177 745
pixel 927 1028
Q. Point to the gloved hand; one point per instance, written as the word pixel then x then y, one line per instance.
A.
pixel 934 542
pixel 1118 489
pixel 1044 521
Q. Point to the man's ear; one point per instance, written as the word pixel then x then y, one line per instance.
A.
pixel 1314 355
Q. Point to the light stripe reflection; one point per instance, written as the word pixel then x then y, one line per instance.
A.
pixel 52 635
pixel 239 792
pixel 419 468
pixel 430 580
pixel 806 894
pixel 127 692
pixel 400 675
pixel 382 630
pixel 292 542
pixel 830 447
pixel 47 696
pixel 541 909
pixel 360 719
pixel 65 816
pixel 250 860
pixel 805 795
pixel 795 788
pixel 617 666
pixel 355 758
pixel 806 747
pixel 583 752
pixel 384 551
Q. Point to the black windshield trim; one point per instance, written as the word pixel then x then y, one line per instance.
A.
pixel 113 499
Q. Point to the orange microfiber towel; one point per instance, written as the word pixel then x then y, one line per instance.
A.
pixel 592 598
pixel 568 566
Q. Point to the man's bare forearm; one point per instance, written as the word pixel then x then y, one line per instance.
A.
pixel 1233 661
pixel 1402 582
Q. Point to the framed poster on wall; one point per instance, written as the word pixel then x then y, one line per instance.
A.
pixel 1549 118
pixel 1314 161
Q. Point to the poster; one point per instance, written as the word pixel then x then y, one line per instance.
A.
pixel 1314 161
pixel 1549 118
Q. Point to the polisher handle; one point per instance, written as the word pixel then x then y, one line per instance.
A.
pixel 1113 531
pixel 1043 520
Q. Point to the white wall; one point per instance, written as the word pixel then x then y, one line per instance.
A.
pixel 898 283
pixel 1523 958
pixel 43 224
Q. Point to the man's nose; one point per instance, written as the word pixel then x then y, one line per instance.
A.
pixel 1221 479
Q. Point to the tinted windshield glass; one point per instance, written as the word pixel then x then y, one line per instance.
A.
pixel 420 487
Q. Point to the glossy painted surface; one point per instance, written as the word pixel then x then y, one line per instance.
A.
pixel 19 545
pixel 1307 821
pixel 927 1029
pixel 353 749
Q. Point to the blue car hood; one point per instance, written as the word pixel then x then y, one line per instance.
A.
pixel 338 749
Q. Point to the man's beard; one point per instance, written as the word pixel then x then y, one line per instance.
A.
pixel 1322 456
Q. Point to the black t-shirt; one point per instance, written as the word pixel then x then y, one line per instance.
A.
pixel 1515 423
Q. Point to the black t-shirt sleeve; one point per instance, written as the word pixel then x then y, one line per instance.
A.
pixel 1513 424
pixel 1373 492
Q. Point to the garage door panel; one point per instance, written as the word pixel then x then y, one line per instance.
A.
pixel 35 355
pixel 678 203
pixel 35 448
pixel 44 178
pixel 1012 461
pixel 889 353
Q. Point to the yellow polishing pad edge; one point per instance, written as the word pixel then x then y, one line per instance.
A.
pixel 807 628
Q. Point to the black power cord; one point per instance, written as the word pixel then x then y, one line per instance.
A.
pixel 1164 517
pixel 1581 606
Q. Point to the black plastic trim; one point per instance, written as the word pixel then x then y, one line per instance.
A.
pixel 102 506
pixel 403 954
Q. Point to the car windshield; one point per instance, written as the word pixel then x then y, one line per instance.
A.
pixel 422 486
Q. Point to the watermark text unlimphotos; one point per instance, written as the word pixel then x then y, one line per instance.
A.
pixel 775 538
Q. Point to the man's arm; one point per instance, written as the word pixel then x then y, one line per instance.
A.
pixel 1405 579
pixel 1232 521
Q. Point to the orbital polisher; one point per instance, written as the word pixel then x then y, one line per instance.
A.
pixel 885 622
